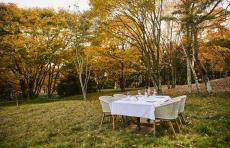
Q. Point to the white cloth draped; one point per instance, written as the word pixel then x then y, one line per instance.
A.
pixel 138 106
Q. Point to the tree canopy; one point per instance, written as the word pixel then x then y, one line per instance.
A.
pixel 118 42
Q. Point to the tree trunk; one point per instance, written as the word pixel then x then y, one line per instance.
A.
pixel 84 94
pixel 50 77
pixel 208 84
pixel 195 78
pixel 122 86
pixel 122 81
pixel 158 64
pixel 23 89
pixel 83 89
pixel 168 78
pixel 159 90
pixel 31 88
pixel 200 65
pixel 173 71
pixel 189 76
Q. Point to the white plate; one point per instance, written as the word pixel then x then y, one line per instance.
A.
pixel 150 99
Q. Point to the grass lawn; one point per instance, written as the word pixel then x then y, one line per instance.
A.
pixel 75 123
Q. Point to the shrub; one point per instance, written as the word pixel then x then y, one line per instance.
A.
pixel 69 86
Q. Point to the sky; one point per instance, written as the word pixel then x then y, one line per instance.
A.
pixel 56 4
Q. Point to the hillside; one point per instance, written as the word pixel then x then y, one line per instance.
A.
pixel 218 85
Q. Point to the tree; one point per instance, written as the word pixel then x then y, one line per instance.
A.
pixel 115 58
pixel 139 24
pixel 80 33
pixel 68 86
pixel 30 40
pixel 215 52
pixel 169 45
pixel 195 16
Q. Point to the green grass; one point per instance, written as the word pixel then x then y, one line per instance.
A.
pixel 75 123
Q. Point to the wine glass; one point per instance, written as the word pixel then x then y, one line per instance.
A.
pixel 128 94
pixel 139 92
pixel 154 92
pixel 146 93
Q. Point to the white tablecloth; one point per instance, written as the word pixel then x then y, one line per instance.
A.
pixel 142 107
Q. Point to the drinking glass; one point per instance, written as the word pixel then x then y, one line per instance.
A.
pixel 154 92
pixel 128 94
pixel 139 92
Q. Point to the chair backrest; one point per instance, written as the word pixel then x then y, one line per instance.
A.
pixel 105 101
pixel 139 95
pixel 167 110
pixel 116 98
pixel 182 102
pixel 119 95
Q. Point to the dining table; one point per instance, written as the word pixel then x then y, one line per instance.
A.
pixel 138 106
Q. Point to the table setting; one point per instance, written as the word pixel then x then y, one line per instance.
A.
pixel 138 105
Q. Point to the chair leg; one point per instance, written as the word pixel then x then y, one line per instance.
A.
pixel 172 129
pixel 103 116
pixel 113 121
pixel 154 128
pixel 180 121
pixel 123 119
pixel 183 120
pixel 178 126
pixel 110 119
pixel 148 121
